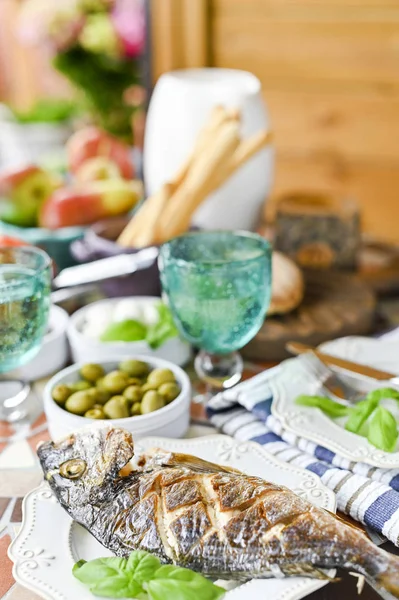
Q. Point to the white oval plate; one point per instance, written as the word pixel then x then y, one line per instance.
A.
pixel 49 542
pixel 314 425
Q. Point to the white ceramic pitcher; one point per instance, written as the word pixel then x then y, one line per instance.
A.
pixel 180 105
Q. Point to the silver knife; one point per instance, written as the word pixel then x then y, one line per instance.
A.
pixel 106 268
pixel 348 365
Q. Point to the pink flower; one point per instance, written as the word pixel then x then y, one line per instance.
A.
pixel 128 17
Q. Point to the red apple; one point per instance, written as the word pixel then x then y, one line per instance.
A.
pixel 97 169
pixel 92 142
pixel 85 204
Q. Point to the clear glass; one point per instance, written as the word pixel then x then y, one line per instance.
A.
pixel 25 280
pixel 218 286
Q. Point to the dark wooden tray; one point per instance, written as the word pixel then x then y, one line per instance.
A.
pixel 335 304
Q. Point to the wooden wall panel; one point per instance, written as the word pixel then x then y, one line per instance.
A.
pixel 179 35
pixel 330 74
pixel 254 5
pixel 340 124
pixel 285 47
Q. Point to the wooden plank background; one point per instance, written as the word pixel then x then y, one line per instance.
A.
pixel 330 74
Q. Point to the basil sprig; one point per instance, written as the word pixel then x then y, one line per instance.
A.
pixel 359 414
pixel 366 418
pixel 329 407
pixel 142 576
pixel 383 430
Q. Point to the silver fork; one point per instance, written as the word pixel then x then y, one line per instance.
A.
pixel 330 381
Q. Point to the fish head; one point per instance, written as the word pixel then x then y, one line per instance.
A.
pixel 82 467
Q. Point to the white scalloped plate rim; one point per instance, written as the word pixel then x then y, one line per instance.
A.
pixel 43 561
pixel 315 426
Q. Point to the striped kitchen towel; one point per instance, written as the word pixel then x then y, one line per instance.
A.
pixel 369 495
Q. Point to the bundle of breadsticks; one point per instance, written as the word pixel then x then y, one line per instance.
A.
pixel 219 151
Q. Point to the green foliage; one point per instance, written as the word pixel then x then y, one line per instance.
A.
pixel 102 82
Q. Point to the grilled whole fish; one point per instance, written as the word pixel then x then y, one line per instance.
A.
pixel 196 514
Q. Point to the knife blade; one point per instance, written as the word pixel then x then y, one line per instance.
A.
pixel 106 268
pixel 298 348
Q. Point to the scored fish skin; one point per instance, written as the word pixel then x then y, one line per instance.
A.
pixel 200 515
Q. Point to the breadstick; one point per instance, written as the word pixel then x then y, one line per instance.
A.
pixel 246 150
pixel 197 183
pixel 218 117
pixel 148 235
pixel 133 230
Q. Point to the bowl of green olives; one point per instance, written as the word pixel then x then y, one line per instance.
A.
pixel 147 396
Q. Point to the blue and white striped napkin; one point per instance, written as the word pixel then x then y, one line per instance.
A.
pixel 369 495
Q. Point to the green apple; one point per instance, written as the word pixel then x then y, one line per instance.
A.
pixel 22 193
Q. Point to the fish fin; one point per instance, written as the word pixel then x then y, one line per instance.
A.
pixel 303 570
pixel 175 459
pixel 354 526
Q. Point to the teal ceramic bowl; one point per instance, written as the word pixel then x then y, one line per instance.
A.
pixel 55 242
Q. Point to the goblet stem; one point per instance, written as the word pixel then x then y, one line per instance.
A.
pixel 218 371
pixel 13 396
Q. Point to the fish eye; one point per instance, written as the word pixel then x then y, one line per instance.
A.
pixel 73 469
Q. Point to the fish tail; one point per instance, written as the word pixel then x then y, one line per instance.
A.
pixel 389 581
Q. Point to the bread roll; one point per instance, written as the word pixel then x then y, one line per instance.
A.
pixel 287 285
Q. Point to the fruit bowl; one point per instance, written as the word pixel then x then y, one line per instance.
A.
pixel 55 242
pixel 170 421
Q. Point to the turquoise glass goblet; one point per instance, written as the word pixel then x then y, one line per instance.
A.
pixel 25 281
pixel 218 286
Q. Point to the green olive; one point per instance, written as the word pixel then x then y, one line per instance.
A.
pixel 91 372
pixel 133 393
pixel 169 391
pixel 135 381
pixel 78 386
pixel 147 387
pixel 80 402
pixel 135 409
pixel 159 376
pixel 60 393
pixel 101 396
pixel 134 368
pixel 95 413
pixel 151 401
pixel 100 384
pixel 116 408
pixel 115 382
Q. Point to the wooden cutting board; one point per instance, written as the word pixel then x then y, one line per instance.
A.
pixel 335 304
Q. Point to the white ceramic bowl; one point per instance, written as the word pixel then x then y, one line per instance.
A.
pixel 54 352
pixel 85 349
pixel 170 421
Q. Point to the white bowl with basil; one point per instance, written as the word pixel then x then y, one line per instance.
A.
pixel 118 327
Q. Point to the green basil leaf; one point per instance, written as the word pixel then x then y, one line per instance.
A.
pixel 164 329
pixel 176 583
pixel 124 331
pixel 383 393
pixel 383 430
pixel 359 414
pixel 100 568
pixel 142 566
pixel 329 407
pixel 119 586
